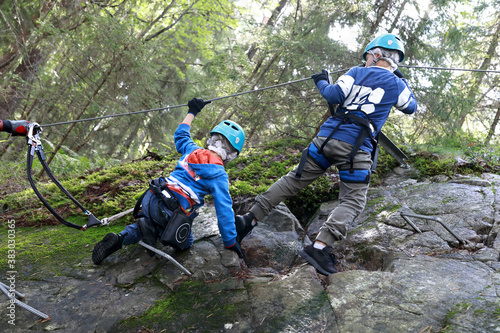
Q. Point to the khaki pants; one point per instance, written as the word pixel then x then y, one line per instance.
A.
pixel 352 196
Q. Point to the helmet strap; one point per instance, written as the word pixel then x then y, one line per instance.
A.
pixel 230 157
pixel 387 56
pixel 221 146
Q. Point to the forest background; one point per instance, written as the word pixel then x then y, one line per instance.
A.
pixel 70 60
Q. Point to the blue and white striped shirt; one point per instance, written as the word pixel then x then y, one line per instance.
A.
pixel 373 90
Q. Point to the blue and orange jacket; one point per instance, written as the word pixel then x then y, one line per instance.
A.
pixel 199 173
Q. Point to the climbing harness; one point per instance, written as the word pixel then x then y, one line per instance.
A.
pixel 176 227
pixel 367 130
pixel 352 174
pixel 35 145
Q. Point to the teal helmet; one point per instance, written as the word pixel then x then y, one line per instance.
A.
pixel 231 131
pixel 387 41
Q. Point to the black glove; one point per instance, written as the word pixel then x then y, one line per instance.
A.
pixel 244 224
pixel 398 73
pixel 196 104
pixel 323 76
pixel 16 127
pixel 236 248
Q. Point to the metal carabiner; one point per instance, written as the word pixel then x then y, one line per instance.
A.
pixel 34 130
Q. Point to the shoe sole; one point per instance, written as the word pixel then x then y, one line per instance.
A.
pixel 97 255
pixel 313 262
pixel 98 251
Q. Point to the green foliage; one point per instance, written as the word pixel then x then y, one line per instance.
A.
pixel 430 165
pixel 258 168
pixel 461 154
pixel 101 60
pixel 67 163
pixel 385 164
pixel 94 60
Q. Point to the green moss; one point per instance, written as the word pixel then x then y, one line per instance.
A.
pixel 430 165
pixel 256 169
pixel 308 200
pixel 385 164
pixel 446 200
pixel 465 163
pixel 103 192
pixel 374 202
pixel 458 308
pixel 282 321
pixel 390 208
pixel 378 206
pixel 447 329
pixel 194 306
pixel 479 312
pixel 54 249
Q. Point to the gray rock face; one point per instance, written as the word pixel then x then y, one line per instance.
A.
pixel 414 282
pixel 391 277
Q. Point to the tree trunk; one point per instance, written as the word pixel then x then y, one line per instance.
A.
pixel 380 13
pixel 326 115
pixel 27 71
pixel 398 16
pixel 128 142
pixel 271 22
pixel 22 46
pixel 89 137
pixel 71 126
pixel 251 54
pixel 478 77
pixel 493 127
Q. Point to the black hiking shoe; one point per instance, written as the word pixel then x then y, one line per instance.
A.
pixel 110 243
pixel 148 232
pixel 244 224
pixel 323 260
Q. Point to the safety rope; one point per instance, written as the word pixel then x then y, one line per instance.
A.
pixel 168 107
pixel 451 69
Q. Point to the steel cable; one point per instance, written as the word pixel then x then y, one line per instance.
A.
pixel 168 107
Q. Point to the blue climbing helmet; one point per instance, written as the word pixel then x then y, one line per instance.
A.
pixel 231 131
pixel 387 41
